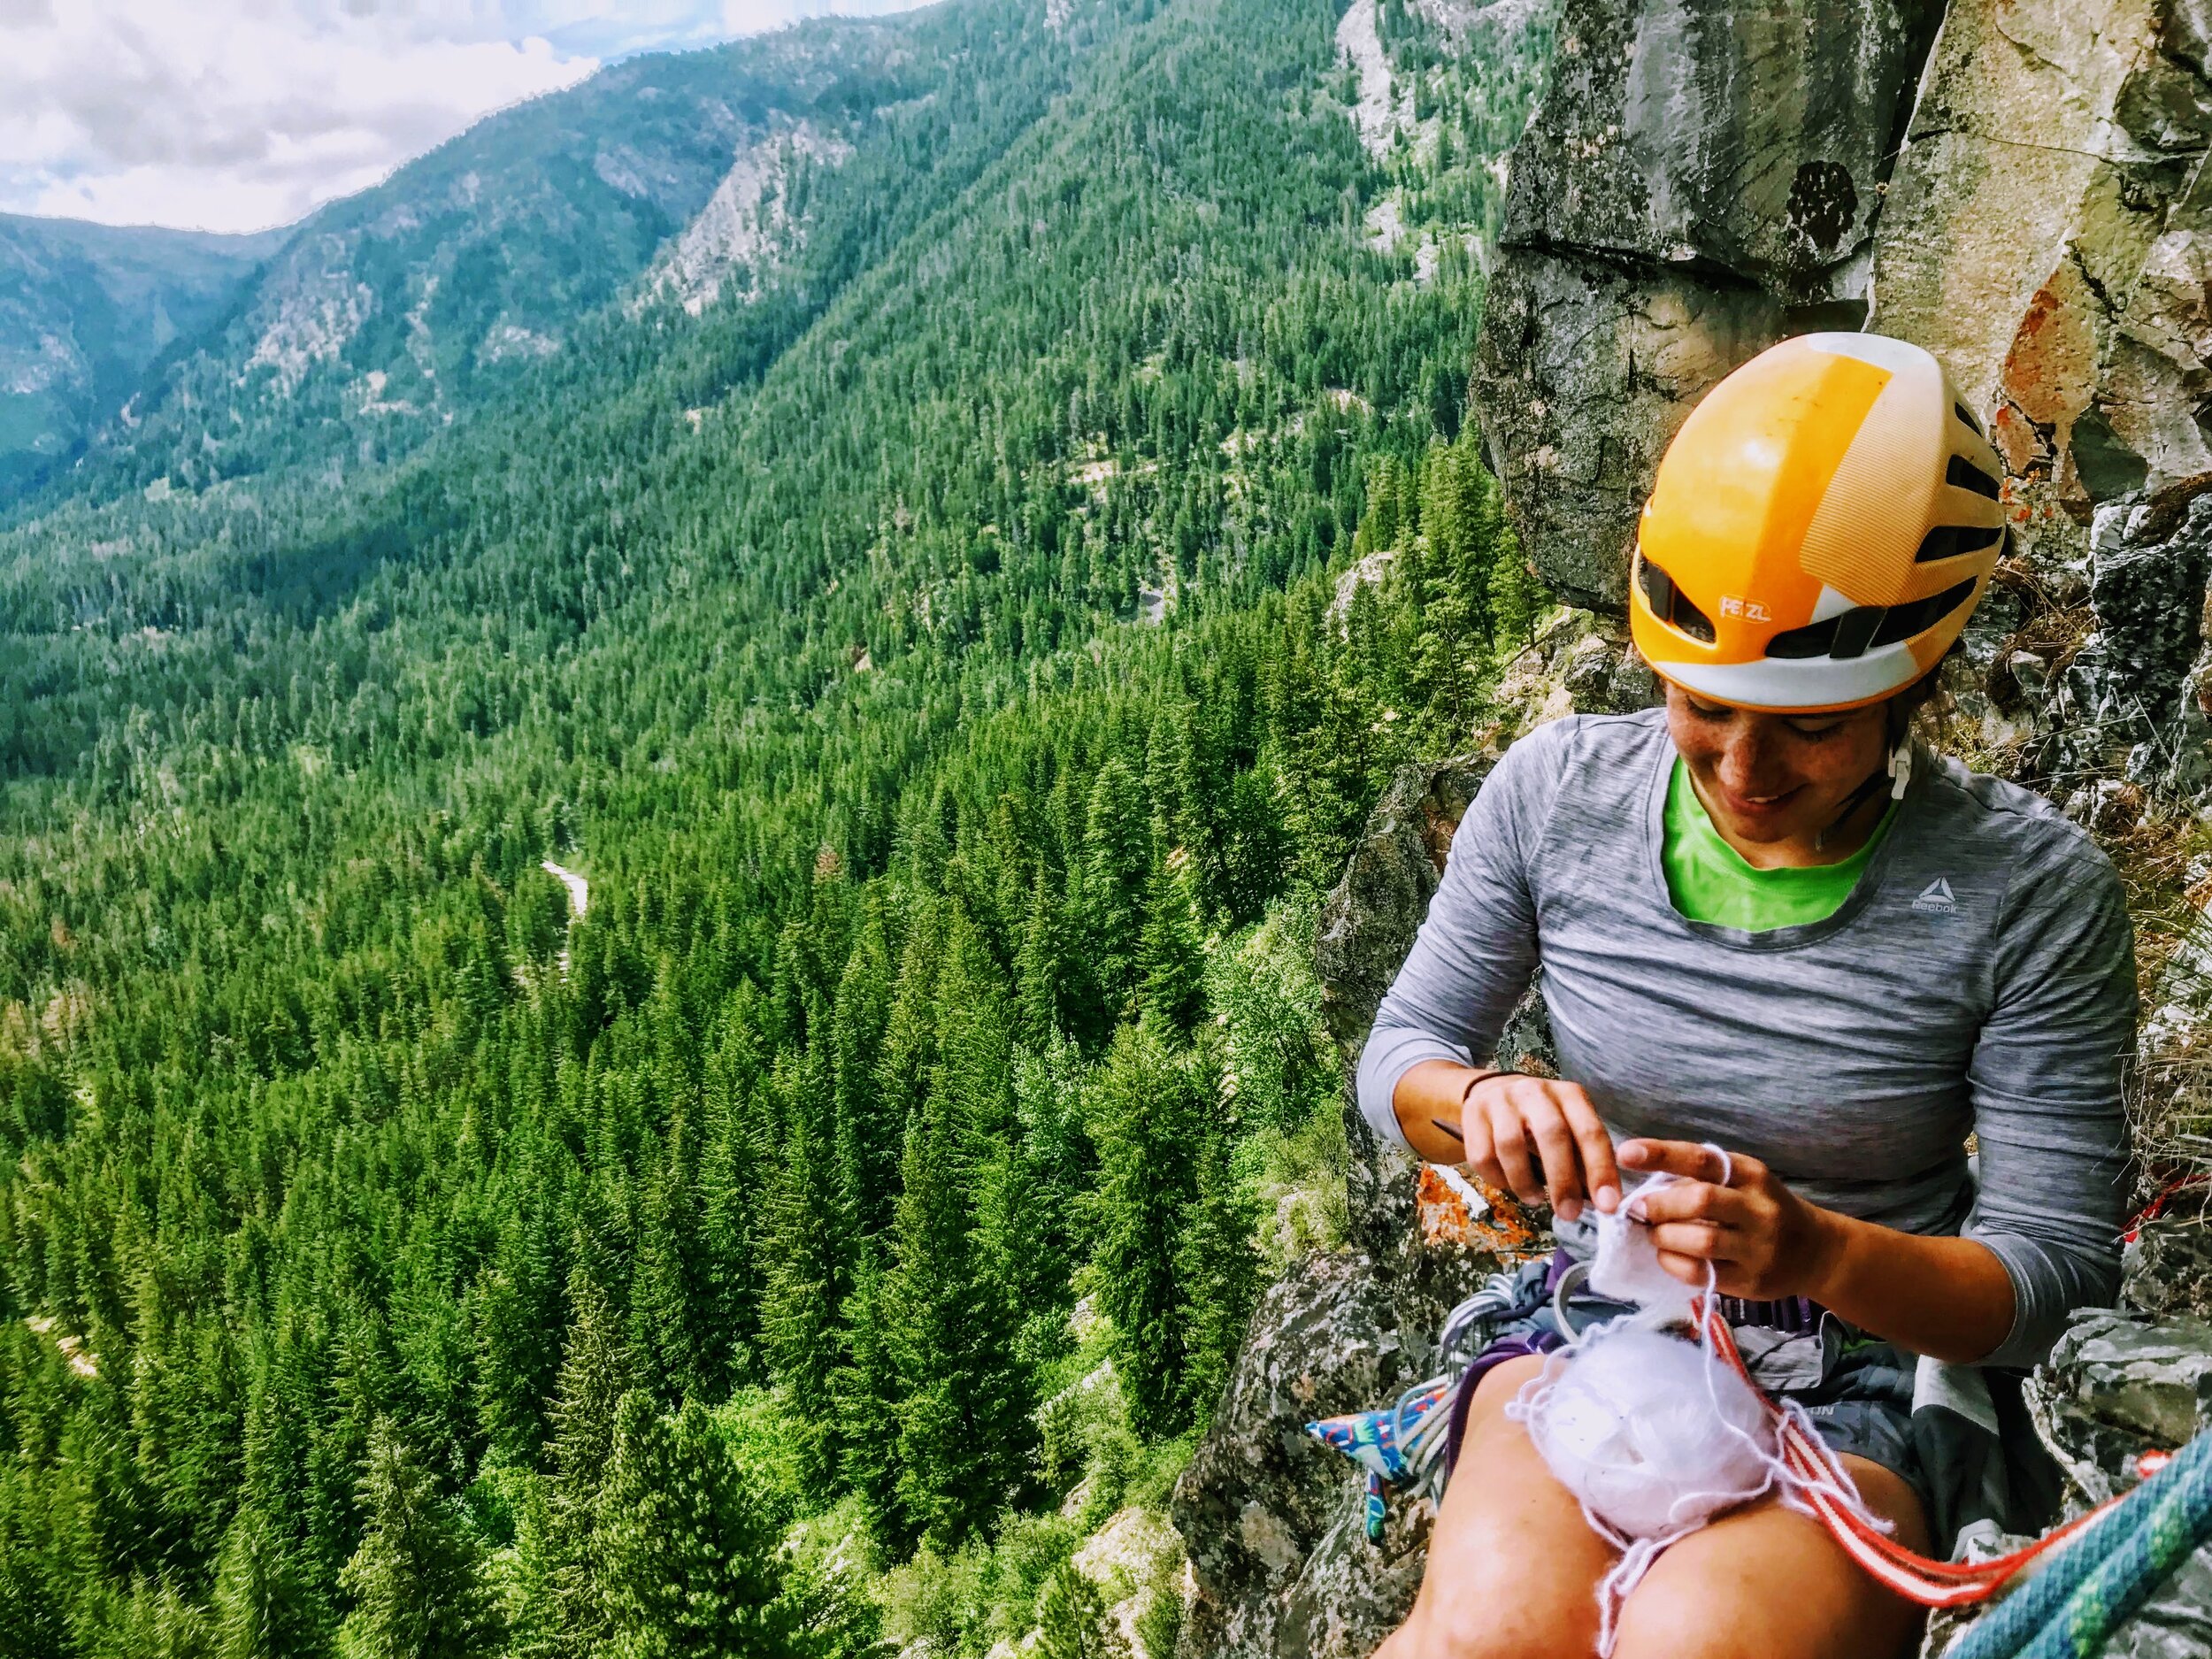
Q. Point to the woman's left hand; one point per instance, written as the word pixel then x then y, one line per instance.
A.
pixel 1762 1239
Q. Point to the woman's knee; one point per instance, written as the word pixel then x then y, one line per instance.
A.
pixel 1492 1609
pixel 1496 1621
pixel 1680 1618
pixel 1762 1581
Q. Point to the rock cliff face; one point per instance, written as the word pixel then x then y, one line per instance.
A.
pixel 2018 185
pixel 1700 182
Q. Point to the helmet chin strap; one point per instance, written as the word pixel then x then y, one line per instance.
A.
pixel 1897 771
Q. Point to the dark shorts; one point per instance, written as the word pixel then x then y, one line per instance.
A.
pixel 1964 1445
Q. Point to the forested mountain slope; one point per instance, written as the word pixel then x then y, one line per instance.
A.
pixel 954 681
pixel 85 309
pixel 775 168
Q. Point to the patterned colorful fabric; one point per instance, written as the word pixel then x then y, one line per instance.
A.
pixel 1388 1444
pixel 1373 1438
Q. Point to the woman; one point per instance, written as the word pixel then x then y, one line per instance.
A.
pixel 1764 918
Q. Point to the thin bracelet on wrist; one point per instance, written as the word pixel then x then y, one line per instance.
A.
pixel 1480 1077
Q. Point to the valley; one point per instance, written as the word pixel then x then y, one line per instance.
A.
pixel 883 488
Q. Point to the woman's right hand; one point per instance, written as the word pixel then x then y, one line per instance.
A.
pixel 1536 1137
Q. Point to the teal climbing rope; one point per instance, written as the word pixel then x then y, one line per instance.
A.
pixel 2069 1608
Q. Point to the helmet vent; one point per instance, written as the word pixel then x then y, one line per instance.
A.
pixel 1855 631
pixel 1964 473
pixel 1669 605
pixel 1919 615
pixel 1949 540
pixel 1868 627
pixel 1973 424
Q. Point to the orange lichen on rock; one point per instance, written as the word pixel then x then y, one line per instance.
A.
pixel 1491 1220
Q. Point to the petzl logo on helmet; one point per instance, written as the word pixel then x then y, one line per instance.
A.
pixel 1935 898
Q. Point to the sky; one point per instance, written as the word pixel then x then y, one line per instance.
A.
pixel 237 115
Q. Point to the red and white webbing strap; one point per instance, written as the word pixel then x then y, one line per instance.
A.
pixel 1821 1485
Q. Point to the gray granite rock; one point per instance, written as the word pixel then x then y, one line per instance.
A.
pixel 1259 1493
pixel 1701 180
pixel 2119 1385
pixel 1748 143
pixel 2167 1268
pixel 2147 570
pixel 1584 370
pixel 1351 1593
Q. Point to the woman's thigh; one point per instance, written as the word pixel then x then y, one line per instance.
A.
pixel 1513 1567
pixel 1768 1580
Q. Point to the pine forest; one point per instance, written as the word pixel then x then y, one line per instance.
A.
pixel 670 1011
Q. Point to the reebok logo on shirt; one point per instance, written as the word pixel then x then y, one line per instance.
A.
pixel 1935 899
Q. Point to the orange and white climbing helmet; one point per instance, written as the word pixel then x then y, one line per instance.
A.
pixel 1821 529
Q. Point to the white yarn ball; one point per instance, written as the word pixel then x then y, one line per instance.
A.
pixel 1637 1426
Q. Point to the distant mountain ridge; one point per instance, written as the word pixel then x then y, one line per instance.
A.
pixel 86 308
pixel 673 181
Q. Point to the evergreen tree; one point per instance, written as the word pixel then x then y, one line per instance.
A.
pixel 1116 861
pixel 1171 957
pixel 965 1430
pixel 1037 969
pixel 810 1269
pixel 866 1392
pixel 1453 598
pixel 33 1590
pixel 263 1606
pixel 413 1581
pixel 666 1298
pixel 1146 1124
pixel 866 1134
pixel 595 1373
pixel 536 921
pixel 1217 1273
pixel 731 1175
pixel 515 1307
pixel 1516 597
pixel 690 1566
pixel 1072 1621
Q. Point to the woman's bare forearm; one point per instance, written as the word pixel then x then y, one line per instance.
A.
pixel 1949 1298
pixel 1427 1101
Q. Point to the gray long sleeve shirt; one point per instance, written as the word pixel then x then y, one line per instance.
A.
pixel 1980 977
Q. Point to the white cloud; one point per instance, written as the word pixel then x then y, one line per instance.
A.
pixel 239 114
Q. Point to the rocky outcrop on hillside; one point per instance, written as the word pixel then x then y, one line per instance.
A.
pixel 2019 185
pixel 747 226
